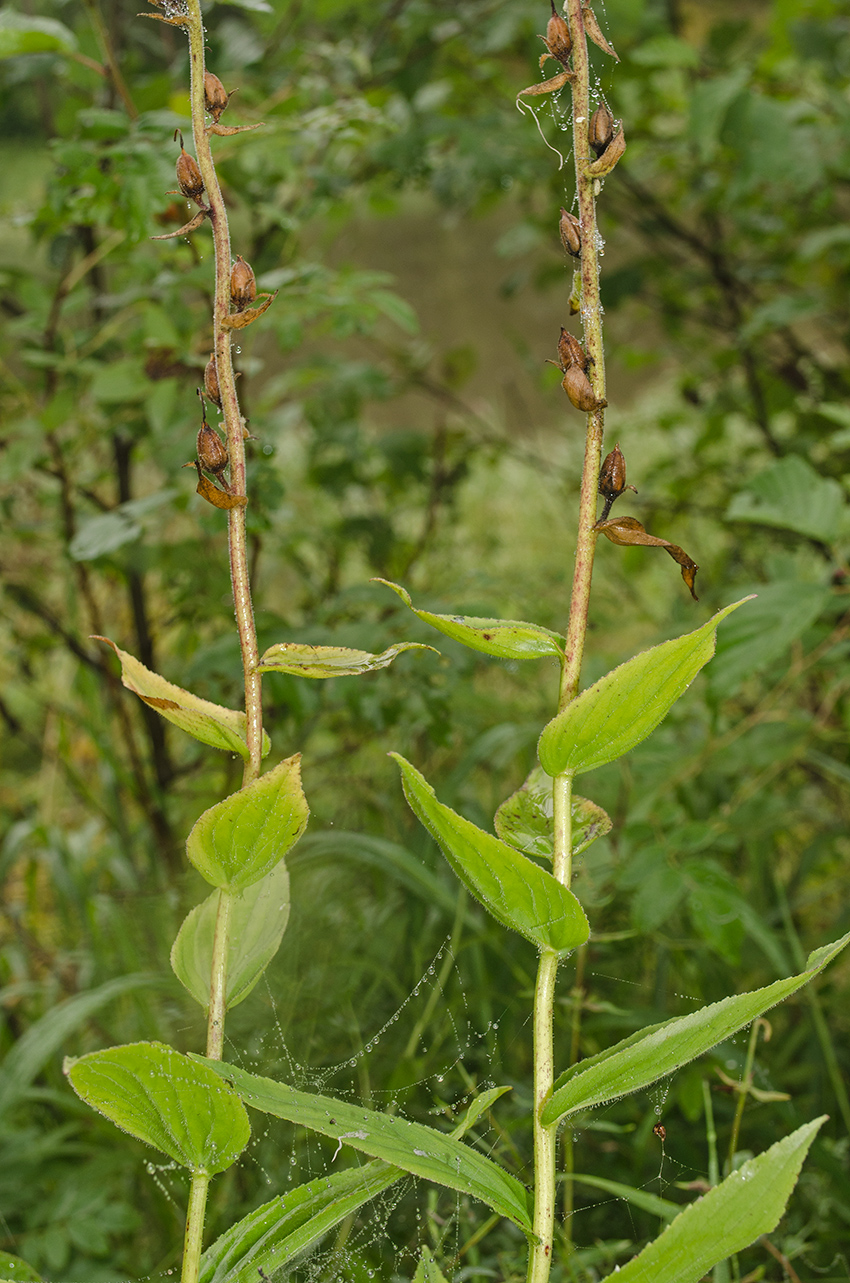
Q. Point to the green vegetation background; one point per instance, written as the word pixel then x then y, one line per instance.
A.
pixel 406 426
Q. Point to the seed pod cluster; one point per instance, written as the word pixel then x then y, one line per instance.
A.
pixel 216 96
pixel 243 286
pixel 189 178
pixel 570 231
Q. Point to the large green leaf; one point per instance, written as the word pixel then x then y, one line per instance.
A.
pixel 515 890
pixel 750 642
pixel 329 661
pixel 725 1220
pixel 43 1039
pixel 273 1235
pixel 240 840
pixel 791 495
pixel 504 638
pixel 525 820
pixel 258 919
pixel 169 1101
pixel 611 717
pixel 650 1054
pixel 219 727
pixel 430 1154
pixel 20 33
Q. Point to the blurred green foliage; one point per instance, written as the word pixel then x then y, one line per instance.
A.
pixel 441 456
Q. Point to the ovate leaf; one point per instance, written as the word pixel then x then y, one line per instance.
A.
pixel 727 1219
pixel 650 1054
pixel 613 716
pixel 525 820
pixel 258 919
pixel 169 1101
pixel 222 728
pixel 421 1150
pixel 273 1235
pixel 329 661
pixel 504 638
pixel 751 642
pixel 515 890
pixel 240 840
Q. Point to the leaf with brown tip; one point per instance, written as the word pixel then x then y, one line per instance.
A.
pixel 627 531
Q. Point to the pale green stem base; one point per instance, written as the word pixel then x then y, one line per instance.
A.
pixel 193 1242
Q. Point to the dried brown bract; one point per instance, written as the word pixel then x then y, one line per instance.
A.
pixel 594 32
pixel 243 286
pixel 628 532
pixel 612 153
pixel 570 231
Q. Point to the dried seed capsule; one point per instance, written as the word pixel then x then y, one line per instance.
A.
pixel 212 452
pixel 600 131
pixel 570 229
pixel 557 39
pixel 570 351
pixel 612 475
pixel 189 178
pixel 243 287
pixel 211 381
pixel 576 384
pixel 215 95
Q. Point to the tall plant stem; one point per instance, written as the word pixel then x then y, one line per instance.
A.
pixel 193 1240
pixel 591 315
pixel 229 402
pixel 540 1258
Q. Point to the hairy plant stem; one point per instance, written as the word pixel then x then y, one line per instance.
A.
pixel 540 1258
pixel 239 576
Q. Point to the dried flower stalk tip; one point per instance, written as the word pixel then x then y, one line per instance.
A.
pixel 189 178
pixel 570 352
pixel 216 96
pixel 243 287
pixel 211 381
pixel 576 384
pixel 601 129
pixel 557 39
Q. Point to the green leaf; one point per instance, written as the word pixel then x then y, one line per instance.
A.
pixel 791 495
pixel 329 661
pixel 421 1150
pixel 43 1039
pixel 14 1270
pixel 273 1235
pixel 240 840
pixel 427 1271
pixel 19 33
pixel 751 642
pixel 637 1197
pixel 219 727
pixel 258 920
pixel 169 1101
pixel 611 717
pixel 111 530
pixel 650 1054
pixel 525 819
pixel 515 890
pixel 504 638
pixel 727 1219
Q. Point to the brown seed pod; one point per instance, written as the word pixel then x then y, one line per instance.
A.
pixel 215 95
pixel 600 131
pixel 576 384
pixel 243 287
pixel 570 229
pixel 570 352
pixel 612 479
pixel 189 178
pixel 211 381
pixel 212 452
pixel 557 39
